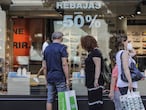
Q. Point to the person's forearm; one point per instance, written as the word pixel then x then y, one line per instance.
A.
pixel 44 66
pixel 97 62
pixel 112 85
pixel 66 72
pixel 128 76
pixel 125 60
pixel 97 73
pixel 45 73
pixel 127 73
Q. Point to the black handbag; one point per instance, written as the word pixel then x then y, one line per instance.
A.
pixel 136 75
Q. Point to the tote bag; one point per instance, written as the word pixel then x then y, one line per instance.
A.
pixel 67 100
pixel 136 75
pixel 131 101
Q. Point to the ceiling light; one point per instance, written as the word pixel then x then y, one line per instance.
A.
pixel 121 17
pixel 138 10
pixel 132 15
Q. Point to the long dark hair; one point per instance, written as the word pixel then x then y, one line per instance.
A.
pixel 88 42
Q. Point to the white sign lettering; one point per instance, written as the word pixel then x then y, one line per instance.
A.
pixel 80 20
pixel 79 5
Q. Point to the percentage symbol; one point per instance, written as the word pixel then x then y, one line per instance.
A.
pixel 88 18
pixel 93 21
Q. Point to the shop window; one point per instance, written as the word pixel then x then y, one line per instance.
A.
pixel 27 39
pixel 137 36
pixel 77 55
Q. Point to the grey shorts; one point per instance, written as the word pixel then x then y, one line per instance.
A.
pixel 53 88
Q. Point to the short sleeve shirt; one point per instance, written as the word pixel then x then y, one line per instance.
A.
pixel 45 44
pixel 90 68
pixel 53 56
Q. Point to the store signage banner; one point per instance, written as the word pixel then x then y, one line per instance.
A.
pixel 79 5
pixel 79 19
pixel 21 41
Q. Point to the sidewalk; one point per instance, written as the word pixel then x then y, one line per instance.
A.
pixel 39 103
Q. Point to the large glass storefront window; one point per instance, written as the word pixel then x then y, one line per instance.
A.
pixel 23 57
pixel 77 55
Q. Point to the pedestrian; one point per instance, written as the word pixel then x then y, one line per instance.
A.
pixel 93 68
pixel 45 44
pixel 123 57
pixel 55 62
pixel 114 90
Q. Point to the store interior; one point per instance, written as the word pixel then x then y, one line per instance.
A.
pixel 29 23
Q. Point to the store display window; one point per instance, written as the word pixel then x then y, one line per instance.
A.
pixel 137 36
pixel 23 57
pixel 77 55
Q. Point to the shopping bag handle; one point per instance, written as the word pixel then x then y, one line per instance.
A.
pixel 129 91
pixel 67 88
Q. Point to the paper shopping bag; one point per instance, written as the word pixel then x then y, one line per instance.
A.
pixel 67 100
pixel 131 101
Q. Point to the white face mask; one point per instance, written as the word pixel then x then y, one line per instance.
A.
pixel 129 46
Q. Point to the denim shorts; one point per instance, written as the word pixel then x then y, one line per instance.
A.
pixel 53 88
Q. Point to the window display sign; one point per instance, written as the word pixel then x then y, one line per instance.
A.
pixel 79 5
pixel 79 19
pixel 21 42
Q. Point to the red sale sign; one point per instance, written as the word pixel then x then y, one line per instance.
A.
pixel 21 39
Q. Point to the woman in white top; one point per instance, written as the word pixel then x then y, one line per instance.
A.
pixel 124 56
